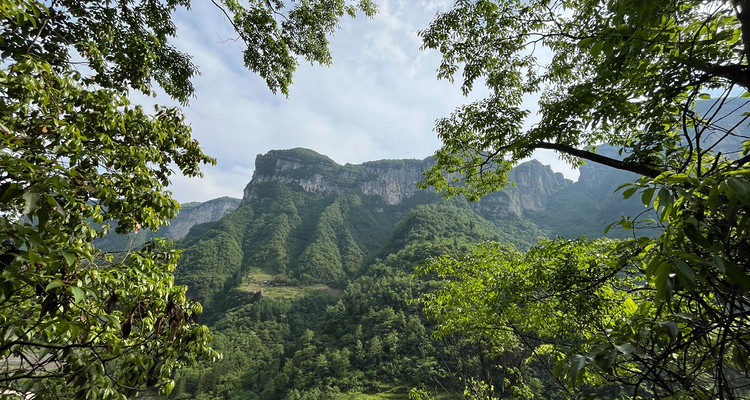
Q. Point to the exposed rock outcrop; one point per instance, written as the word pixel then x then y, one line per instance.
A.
pixel 194 214
pixel 391 180
pixel 534 184
pixel 395 180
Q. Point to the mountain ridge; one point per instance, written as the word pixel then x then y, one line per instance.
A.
pixel 305 219
pixel 392 180
pixel 315 269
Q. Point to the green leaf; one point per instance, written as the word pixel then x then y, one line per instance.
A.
pixel 69 258
pixel 630 306
pixel 663 199
pixel 685 274
pixel 6 289
pixel 740 357
pixel 696 236
pixel 737 276
pixel 663 283
pixel 577 363
pixel 627 349
pixel 605 360
pixel 167 388
pixel 741 189
pixel 647 195
pixel 10 192
pixel 713 199
pixel 78 294
pixel 718 262
pixel 31 203
pixel 585 42
pixel 669 327
pixel 596 49
pixel 629 192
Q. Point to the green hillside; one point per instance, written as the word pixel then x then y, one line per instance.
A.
pixel 309 291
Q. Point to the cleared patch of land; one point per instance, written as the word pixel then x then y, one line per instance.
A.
pixel 271 286
pixel 396 393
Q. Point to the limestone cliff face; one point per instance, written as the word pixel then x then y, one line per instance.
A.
pixel 210 211
pixel 599 180
pixel 534 185
pixel 391 180
pixel 395 180
pixel 295 168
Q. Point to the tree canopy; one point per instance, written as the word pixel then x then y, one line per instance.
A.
pixel 626 73
pixel 78 159
pixel 668 84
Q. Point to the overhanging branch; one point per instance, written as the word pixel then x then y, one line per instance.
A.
pixel 639 169
pixel 738 74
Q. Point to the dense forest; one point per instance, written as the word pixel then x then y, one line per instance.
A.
pixel 313 294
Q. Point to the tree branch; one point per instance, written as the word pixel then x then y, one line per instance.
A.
pixel 736 73
pixel 639 169
pixel 742 8
pixel 742 161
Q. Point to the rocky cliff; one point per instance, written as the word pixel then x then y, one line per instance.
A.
pixel 393 181
pixel 192 214
pixel 533 186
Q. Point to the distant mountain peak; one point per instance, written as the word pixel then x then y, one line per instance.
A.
pixel 199 213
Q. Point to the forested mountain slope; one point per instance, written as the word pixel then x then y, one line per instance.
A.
pixel 308 283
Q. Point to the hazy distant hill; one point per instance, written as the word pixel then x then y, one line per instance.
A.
pixel 199 215
pixel 192 214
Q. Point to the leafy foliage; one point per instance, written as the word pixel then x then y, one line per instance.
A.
pixel 79 323
pixel 628 74
pixel 78 160
pixel 368 338
pixel 540 302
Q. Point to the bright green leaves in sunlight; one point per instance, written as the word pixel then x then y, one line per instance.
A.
pixel 704 233
pixel 77 159
pixel 77 323
pixel 544 300
pixel 618 72
pixel 666 85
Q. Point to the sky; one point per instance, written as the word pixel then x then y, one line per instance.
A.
pixel 379 100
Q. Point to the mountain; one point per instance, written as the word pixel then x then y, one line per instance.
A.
pixel 192 214
pixel 305 219
pixel 307 284
pixel 393 181
pixel 198 215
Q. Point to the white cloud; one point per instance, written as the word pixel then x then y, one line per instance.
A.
pixel 436 5
pixel 216 182
pixel 379 99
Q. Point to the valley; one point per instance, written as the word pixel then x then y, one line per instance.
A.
pixel 309 290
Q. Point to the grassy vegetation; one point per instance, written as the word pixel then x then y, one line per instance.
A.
pixel 397 393
pixel 400 395
pixel 257 280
